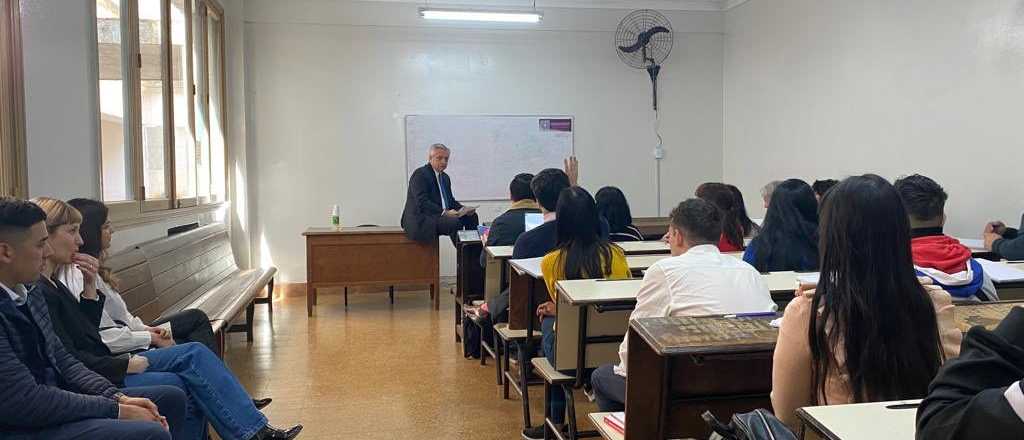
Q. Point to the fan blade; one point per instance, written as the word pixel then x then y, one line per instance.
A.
pixel 644 38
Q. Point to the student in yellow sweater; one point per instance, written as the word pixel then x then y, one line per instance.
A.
pixel 581 253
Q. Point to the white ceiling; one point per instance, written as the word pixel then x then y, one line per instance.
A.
pixel 665 5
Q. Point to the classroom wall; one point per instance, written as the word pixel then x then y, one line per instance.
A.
pixel 830 88
pixel 62 118
pixel 329 82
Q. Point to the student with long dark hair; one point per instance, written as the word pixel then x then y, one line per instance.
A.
pixel 612 205
pixel 789 237
pixel 581 253
pixel 120 330
pixel 735 223
pixel 822 186
pixel 870 331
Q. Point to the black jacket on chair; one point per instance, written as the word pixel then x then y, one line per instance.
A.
pixel 80 333
pixel 423 204
pixel 966 400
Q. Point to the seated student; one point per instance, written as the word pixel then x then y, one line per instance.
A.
pixel 1007 242
pixel 44 391
pixel 696 280
pixel 505 229
pixel 613 207
pixel 581 253
pixel 863 334
pixel 750 229
pixel 979 395
pixel 789 237
pixel 936 255
pixel 735 224
pixel 822 186
pixel 767 190
pixel 120 330
pixel 214 393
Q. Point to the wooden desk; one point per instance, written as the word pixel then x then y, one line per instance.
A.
pixel 368 256
pixel 644 247
pixel 652 228
pixel 688 365
pixel 592 318
pixel 496 272
pixel 894 420
pixel 988 315
pixel 1012 291
pixel 607 432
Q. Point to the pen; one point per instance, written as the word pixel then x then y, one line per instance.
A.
pixel 749 315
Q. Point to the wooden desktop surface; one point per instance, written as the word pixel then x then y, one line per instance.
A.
pixel 607 432
pixel 894 420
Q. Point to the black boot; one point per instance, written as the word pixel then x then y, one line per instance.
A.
pixel 262 403
pixel 271 433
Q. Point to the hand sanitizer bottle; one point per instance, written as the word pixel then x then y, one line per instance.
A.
pixel 336 217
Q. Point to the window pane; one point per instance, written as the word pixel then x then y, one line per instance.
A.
pixel 111 95
pixel 152 94
pixel 184 145
pixel 202 94
pixel 215 84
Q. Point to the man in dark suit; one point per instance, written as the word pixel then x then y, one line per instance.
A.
pixel 44 391
pixel 430 208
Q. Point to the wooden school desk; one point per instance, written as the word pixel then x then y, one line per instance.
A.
pixel 652 228
pixel 368 256
pixel 894 420
pixel 607 432
pixel 469 276
pixel 644 247
pixel 496 272
pixel 680 367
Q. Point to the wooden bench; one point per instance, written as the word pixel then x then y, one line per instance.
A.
pixel 192 270
pixel 553 378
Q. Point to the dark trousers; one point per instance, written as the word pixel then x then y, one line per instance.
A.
pixel 451 226
pixel 170 400
pixel 609 389
pixel 191 325
pixel 556 400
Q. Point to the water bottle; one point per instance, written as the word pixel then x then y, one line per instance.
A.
pixel 336 217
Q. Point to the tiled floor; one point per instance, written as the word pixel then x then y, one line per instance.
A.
pixel 374 372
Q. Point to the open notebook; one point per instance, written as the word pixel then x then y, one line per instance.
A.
pixel 1001 272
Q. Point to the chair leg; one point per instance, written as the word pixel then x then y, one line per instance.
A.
pixel 524 379
pixel 270 297
pixel 249 312
pixel 570 409
pixel 346 297
pixel 391 294
pixel 547 396
pixel 505 383
pixel 498 355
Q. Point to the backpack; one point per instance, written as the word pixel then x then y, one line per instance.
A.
pixel 759 424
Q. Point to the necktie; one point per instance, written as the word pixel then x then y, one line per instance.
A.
pixel 444 197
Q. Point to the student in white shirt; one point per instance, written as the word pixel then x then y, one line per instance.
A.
pixel 696 280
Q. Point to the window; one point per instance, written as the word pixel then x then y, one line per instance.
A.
pixel 12 103
pixel 162 145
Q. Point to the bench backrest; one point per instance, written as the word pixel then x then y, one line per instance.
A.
pixel 164 275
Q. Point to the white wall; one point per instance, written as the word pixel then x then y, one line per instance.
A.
pixel 830 88
pixel 330 81
pixel 61 111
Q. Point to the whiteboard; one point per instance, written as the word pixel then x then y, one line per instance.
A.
pixel 488 151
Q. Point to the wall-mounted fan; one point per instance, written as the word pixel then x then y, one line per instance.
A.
pixel 643 41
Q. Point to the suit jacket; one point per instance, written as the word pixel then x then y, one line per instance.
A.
pixel 423 204
pixel 80 333
pixel 967 400
pixel 26 404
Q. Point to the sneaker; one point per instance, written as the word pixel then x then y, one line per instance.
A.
pixel 534 433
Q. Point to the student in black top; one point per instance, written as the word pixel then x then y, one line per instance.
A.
pixel 789 237
pixel 978 396
pixel 612 205
pixel 822 186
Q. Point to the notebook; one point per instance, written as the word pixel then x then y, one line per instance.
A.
pixel 1001 272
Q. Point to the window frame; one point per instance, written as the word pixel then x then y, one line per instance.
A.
pixel 140 209
pixel 13 160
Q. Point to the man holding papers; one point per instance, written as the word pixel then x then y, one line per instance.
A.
pixel 430 207
pixel 696 280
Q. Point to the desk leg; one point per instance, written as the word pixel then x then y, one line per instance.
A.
pixel 581 346
pixel 310 294
pixel 526 355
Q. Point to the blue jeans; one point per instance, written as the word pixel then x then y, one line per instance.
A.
pixel 609 389
pixel 556 400
pixel 210 386
pixel 170 400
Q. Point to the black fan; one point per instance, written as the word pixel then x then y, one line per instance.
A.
pixel 643 41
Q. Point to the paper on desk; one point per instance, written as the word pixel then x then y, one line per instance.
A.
pixel 808 278
pixel 1001 272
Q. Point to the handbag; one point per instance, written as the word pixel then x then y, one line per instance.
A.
pixel 759 424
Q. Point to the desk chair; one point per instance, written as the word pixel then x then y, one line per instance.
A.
pixel 554 378
pixel 391 289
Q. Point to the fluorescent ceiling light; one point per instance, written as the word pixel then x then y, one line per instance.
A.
pixel 495 16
